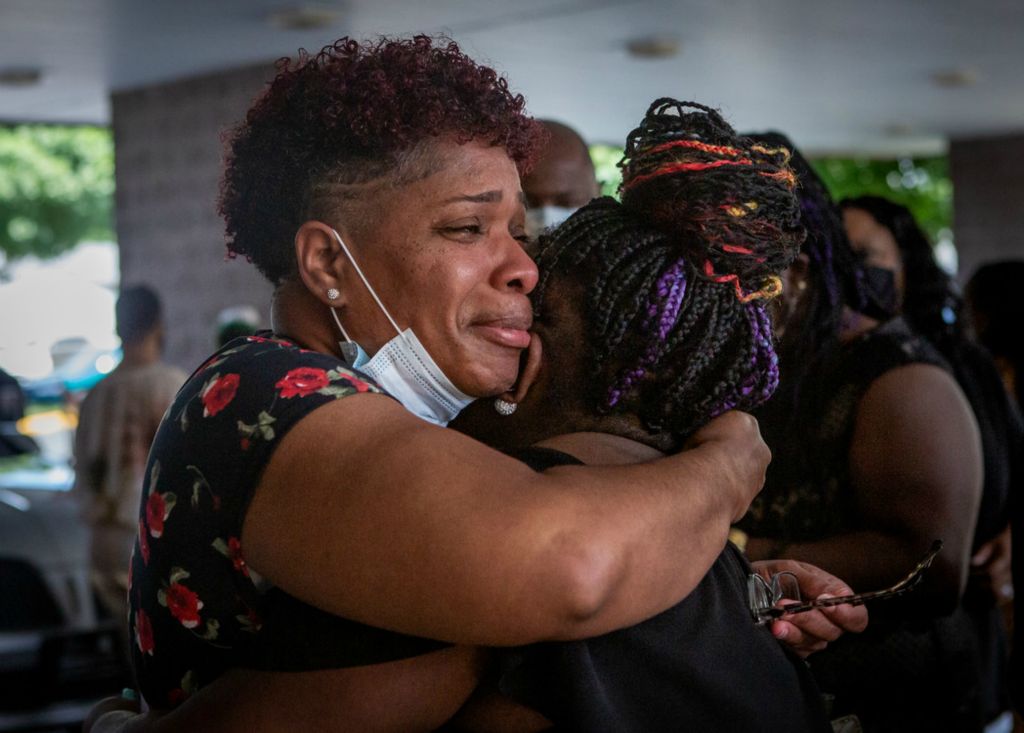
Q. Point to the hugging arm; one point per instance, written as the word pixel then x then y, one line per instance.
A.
pixel 421 530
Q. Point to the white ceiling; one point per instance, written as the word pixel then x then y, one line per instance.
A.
pixel 837 75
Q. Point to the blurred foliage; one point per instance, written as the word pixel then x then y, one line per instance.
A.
pixel 56 188
pixel 922 185
pixel 606 165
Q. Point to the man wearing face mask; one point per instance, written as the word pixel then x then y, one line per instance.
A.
pixel 561 181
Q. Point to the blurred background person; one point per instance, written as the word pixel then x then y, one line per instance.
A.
pixel 875 454
pixel 997 313
pixel 12 408
pixel 885 235
pixel 561 181
pixel 235 322
pixel 117 422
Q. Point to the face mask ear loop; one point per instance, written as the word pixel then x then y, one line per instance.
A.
pixel 334 314
pixel 368 287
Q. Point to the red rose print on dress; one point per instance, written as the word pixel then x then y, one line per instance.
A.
pixel 158 508
pixel 232 549
pixel 182 602
pixel 343 383
pixel 359 384
pixel 265 340
pixel 180 694
pixel 184 605
pixel 218 393
pixel 143 633
pixel 302 381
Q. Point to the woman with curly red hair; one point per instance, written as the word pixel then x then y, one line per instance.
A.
pixel 377 187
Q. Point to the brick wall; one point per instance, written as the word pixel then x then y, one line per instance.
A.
pixel 168 157
pixel 988 199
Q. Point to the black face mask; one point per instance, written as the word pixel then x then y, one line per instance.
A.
pixel 880 291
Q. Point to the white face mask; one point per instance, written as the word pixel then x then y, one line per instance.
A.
pixel 403 367
pixel 545 217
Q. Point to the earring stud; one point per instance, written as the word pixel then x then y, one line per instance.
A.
pixel 333 294
pixel 503 407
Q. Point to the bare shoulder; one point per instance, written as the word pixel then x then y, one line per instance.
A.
pixel 915 392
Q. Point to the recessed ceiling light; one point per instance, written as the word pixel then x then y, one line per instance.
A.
pixel 654 47
pixel 951 78
pixel 304 17
pixel 25 76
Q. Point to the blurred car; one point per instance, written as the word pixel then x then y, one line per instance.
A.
pixel 78 366
pixel 55 644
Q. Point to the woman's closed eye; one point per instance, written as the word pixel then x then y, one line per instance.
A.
pixel 462 232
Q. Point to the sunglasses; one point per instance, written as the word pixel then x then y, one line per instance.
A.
pixel 763 595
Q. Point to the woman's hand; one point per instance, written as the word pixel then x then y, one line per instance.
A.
pixel 119 715
pixel 990 569
pixel 742 454
pixel 811 631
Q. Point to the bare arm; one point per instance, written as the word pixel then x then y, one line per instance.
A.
pixel 421 530
pixel 415 694
pixel 915 467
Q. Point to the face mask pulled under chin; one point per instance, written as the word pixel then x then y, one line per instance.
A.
pixel 545 217
pixel 403 368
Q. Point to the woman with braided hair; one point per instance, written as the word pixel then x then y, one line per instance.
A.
pixel 875 454
pixel 886 236
pixel 653 317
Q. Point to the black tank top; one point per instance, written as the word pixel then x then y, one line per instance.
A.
pixel 702 665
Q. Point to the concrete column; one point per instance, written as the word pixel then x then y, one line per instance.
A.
pixel 988 199
pixel 168 153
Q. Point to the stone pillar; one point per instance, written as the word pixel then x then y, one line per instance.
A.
pixel 988 199
pixel 168 152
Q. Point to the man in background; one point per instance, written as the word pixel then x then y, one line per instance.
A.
pixel 561 181
pixel 12 409
pixel 117 422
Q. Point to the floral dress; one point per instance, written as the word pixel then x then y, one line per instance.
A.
pixel 196 609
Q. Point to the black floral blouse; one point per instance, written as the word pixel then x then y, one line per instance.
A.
pixel 196 609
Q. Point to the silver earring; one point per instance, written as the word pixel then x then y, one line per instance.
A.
pixel 503 407
pixel 332 294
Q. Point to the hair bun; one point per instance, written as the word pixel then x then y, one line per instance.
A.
pixel 727 201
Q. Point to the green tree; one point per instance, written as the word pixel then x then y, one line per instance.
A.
pixel 56 188
pixel 606 166
pixel 922 185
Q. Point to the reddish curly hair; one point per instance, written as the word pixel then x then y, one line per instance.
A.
pixel 348 115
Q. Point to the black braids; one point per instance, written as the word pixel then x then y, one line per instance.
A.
pixel 714 349
pixel 605 299
pixel 695 310
pixel 633 313
pixel 633 300
pixel 709 222
pixel 552 249
pixel 704 330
